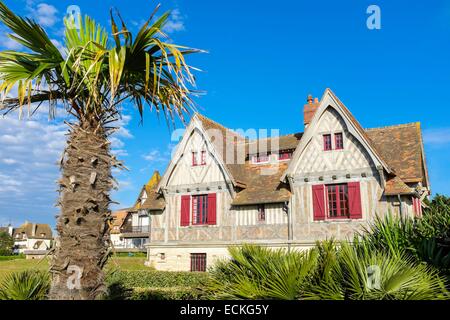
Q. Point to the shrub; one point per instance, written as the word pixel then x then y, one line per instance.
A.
pixel 259 273
pixel 14 257
pixel 130 254
pixel 156 279
pixel 327 272
pixel 395 277
pixel 25 285
pixel 6 244
pixel 174 293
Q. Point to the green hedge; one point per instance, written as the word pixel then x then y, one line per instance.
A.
pixel 9 258
pixel 175 293
pixel 130 254
pixel 157 279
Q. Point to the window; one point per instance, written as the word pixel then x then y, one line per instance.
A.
pixel 261 213
pixel 198 262
pixel 260 158
pixel 285 155
pixel 339 141
pixel 203 160
pixel 327 142
pixel 194 159
pixel 337 196
pixel 199 209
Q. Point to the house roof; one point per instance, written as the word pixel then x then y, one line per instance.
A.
pixel 33 231
pixel 399 149
pixel 401 146
pixel 263 188
pixel 118 220
pixel 396 186
pixel 154 200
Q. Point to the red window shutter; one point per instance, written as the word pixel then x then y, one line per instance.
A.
pixel 354 200
pixel 185 210
pixel 319 202
pixel 212 209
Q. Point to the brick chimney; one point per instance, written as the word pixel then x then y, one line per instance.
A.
pixel 310 109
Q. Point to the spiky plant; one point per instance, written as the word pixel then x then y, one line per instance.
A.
pixel 97 73
pixel 25 285
pixel 362 272
pixel 260 273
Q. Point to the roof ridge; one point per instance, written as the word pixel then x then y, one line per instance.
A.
pixel 266 138
pixel 217 123
pixel 394 126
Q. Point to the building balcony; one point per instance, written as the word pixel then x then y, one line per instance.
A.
pixel 136 232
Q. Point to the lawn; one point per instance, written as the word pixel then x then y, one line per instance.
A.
pixel 122 263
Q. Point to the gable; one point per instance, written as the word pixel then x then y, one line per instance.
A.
pixel 196 138
pixel 364 149
pixel 184 173
pixel 313 158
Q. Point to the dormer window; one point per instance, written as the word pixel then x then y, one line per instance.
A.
pixel 203 159
pixel 260 158
pixel 194 159
pixel 327 146
pixel 199 158
pixel 285 155
pixel 339 141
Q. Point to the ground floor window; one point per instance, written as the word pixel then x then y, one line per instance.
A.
pixel 261 213
pixel 199 209
pixel 198 262
pixel 337 200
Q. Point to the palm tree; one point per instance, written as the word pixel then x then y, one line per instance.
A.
pixel 91 79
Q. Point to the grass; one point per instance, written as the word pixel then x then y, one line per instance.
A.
pixel 122 263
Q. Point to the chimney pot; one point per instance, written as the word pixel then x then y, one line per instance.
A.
pixel 310 109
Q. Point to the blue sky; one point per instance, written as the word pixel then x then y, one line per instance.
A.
pixel 264 59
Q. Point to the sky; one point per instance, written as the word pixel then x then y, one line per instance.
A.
pixel 264 58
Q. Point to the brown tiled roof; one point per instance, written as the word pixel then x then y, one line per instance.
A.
pixel 401 146
pixel 395 186
pixel 287 142
pixel 254 187
pixel 263 188
pixel 118 220
pixel 41 231
pixel 155 200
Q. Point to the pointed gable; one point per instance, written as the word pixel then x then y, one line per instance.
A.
pixel 150 198
pixel 201 135
pixel 333 116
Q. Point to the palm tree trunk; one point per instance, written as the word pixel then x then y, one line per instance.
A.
pixel 83 245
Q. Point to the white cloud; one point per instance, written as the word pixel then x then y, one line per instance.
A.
pixel 45 14
pixel 175 22
pixel 439 136
pixel 153 156
pixel 28 171
pixel 29 155
pixel 9 161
